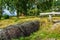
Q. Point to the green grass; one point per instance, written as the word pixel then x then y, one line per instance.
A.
pixel 44 32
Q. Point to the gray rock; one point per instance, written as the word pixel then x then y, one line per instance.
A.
pixel 30 27
pixel 3 35
pixel 14 31
pixel 18 30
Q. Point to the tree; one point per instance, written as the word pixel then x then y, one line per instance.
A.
pixel 44 5
pixel 20 6
pixel 0 9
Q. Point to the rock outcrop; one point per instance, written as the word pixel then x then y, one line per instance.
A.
pixel 19 30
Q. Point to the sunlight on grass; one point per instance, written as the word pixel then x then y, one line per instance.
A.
pixel 11 21
pixel 44 32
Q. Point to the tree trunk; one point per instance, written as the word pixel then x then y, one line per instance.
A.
pixel 17 13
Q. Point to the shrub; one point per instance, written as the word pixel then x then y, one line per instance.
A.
pixel 6 16
pixel 33 12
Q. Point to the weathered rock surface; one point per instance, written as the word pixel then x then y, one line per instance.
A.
pixel 18 30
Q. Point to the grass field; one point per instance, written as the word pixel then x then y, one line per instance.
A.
pixel 45 32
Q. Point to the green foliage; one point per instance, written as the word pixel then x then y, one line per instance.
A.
pixel 33 12
pixel 6 16
pixel 16 20
pixel 46 5
pixel 0 9
pixel 54 35
pixel 22 6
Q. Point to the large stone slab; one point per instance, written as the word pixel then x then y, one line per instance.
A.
pixel 19 30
